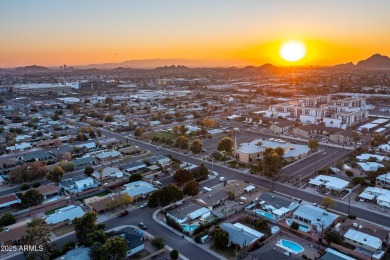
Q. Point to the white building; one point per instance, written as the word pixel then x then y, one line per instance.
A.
pixel 370 166
pixel 66 214
pixel 321 109
pixel 329 182
pixel 362 240
pixel 382 196
pixel 365 156
pixel 384 180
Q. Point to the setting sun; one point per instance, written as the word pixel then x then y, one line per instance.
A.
pixel 292 51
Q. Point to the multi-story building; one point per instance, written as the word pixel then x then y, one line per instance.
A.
pixel 322 110
pixel 37 89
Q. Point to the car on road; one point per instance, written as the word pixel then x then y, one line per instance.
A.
pixel 221 179
pixel 158 148
pixel 123 213
pixel 142 225
pixel 143 205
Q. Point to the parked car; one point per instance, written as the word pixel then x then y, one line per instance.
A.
pixel 142 225
pixel 123 213
pixel 144 205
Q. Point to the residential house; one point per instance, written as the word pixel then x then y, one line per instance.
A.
pixel 84 161
pixel 64 216
pixel 38 156
pixel 9 200
pixel 48 143
pixel 134 239
pixel 278 205
pixel 369 166
pixel 79 253
pixel 159 159
pixel 188 212
pixel 366 156
pixel 48 190
pixel 318 218
pixel 14 233
pixel 240 235
pixel 134 167
pixel 384 180
pixel 138 189
pixel 344 137
pixel 331 254
pixel 78 183
pixel 19 147
pixel 102 204
pixel 282 127
pixel 381 196
pixel 212 199
pixel 329 182
pixel 363 235
pixel 362 240
pixel 91 146
pixel 108 173
pixel 108 156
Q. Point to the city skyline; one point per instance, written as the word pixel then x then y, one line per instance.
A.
pixel 231 33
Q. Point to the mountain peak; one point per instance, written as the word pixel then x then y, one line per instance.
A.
pixel 375 61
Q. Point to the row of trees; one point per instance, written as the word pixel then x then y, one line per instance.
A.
pixel 165 196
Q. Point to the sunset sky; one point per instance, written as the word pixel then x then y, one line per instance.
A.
pixel 232 32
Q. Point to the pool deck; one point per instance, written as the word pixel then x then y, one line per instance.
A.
pixel 310 249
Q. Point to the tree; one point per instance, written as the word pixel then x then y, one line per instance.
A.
pixel 182 176
pixel 174 254
pixel 113 248
pixel 126 199
pixel 36 184
pixel 135 177
pixel 191 188
pixel 313 144
pixel 165 196
pixel 109 118
pixel 89 171
pixel 27 172
pixel 196 146
pixel 225 144
pixel 138 131
pixel 99 133
pixel 221 238
pixel 332 237
pixel 38 236
pixel 182 142
pixel 231 195
pixel 261 223
pixel 294 225
pixel 158 242
pixel 200 173
pixel 31 198
pixel 328 202
pixel 56 174
pixel 206 122
pixel 85 226
pixel 7 219
pixel 272 162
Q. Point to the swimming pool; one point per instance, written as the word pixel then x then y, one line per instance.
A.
pixel 189 228
pixel 265 214
pixel 302 227
pixel 290 246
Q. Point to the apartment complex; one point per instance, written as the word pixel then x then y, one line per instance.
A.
pixel 37 89
pixel 322 110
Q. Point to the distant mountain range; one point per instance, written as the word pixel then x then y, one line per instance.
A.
pixel 376 61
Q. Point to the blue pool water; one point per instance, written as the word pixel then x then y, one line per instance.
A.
pixel 302 227
pixel 189 228
pixel 291 246
pixel 265 214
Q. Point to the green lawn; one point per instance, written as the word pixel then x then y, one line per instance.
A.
pixel 166 135
pixel 49 212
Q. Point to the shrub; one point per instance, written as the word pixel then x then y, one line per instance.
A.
pixel 158 242
pixel 36 184
pixel 294 225
pixel 174 224
pixel 201 234
pixel 174 254
pixel 24 187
